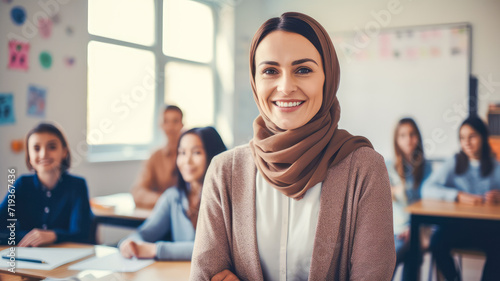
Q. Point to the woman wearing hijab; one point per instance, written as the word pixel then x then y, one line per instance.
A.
pixel 303 200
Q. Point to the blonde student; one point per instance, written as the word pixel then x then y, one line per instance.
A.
pixel 159 173
pixel 168 234
pixel 303 200
pixel 51 205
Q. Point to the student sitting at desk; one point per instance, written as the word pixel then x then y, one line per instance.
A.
pixel 159 171
pixel 51 205
pixel 168 234
pixel 407 174
pixel 470 177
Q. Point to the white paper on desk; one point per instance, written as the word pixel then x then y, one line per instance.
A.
pixel 114 262
pixel 53 256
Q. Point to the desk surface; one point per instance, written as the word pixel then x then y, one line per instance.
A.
pixel 442 212
pixel 119 206
pixel 160 270
pixel 453 209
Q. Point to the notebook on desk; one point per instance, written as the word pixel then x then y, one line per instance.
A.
pixel 51 257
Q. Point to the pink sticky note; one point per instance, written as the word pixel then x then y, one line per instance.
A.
pixel 18 55
pixel 45 27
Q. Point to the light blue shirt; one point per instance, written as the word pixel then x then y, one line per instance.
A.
pixel 445 184
pixel 406 195
pixel 169 227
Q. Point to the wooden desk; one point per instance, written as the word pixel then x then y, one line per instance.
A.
pixel 118 209
pixel 445 213
pixel 160 270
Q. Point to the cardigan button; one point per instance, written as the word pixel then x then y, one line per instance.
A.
pixel 44 226
pixel 49 194
pixel 47 210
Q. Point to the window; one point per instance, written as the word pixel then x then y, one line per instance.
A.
pixel 141 55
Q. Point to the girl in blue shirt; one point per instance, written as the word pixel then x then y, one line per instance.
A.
pixel 470 177
pixel 50 205
pixel 406 174
pixel 168 234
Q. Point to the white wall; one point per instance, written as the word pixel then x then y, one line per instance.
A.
pixel 66 93
pixel 342 16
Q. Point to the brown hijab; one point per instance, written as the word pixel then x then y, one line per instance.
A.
pixel 295 160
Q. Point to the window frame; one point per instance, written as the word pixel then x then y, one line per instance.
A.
pixel 128 152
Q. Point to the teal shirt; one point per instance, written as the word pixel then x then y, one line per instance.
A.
pixel 406 195
pixel 445 184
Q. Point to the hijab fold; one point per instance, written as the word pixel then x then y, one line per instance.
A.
pixel 293 161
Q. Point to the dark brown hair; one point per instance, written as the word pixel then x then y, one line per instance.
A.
pixel 173 108
pixel 487 157
pixel 417 158
pixel 54 130
pixel 213 145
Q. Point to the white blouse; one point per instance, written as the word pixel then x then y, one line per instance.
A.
pixel 285 231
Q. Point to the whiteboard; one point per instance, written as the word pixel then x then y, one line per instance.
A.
pixel 419 72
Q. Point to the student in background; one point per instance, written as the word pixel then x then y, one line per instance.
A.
pixel 407 173
pixel 470 177
pixel 159 171
pixel 50 205
pixel 303 200
pixel 168 234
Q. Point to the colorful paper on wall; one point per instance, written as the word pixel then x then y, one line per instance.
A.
pixel 69 31
pixel 18 15
pixel 18 55
pixel 45 60
pixel 69 61
pixel 36 101
pixel 7 109
pixel 45 27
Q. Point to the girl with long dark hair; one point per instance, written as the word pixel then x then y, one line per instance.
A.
pixel 407 173
pixel 470 177
pixel 168 234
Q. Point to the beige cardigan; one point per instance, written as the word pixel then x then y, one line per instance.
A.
pixel 354 236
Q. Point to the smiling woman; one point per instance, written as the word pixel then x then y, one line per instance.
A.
pixel 304 200
pixel 289 87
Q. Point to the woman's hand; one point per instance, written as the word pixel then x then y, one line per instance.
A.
pixel 225 275
pixel 469 199
pixel 492 197
pixel 38 237
pixel 405 235
pixel 141 250
pixel 397 191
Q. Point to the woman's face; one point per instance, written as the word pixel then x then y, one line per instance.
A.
pixel 289 79
pixel 46 152
pixel 192 158
pixel 407 139
pixel 471 142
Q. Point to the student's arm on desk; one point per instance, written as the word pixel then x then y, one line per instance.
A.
pixel 492 197
pixel 158 225
pixel 439 185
